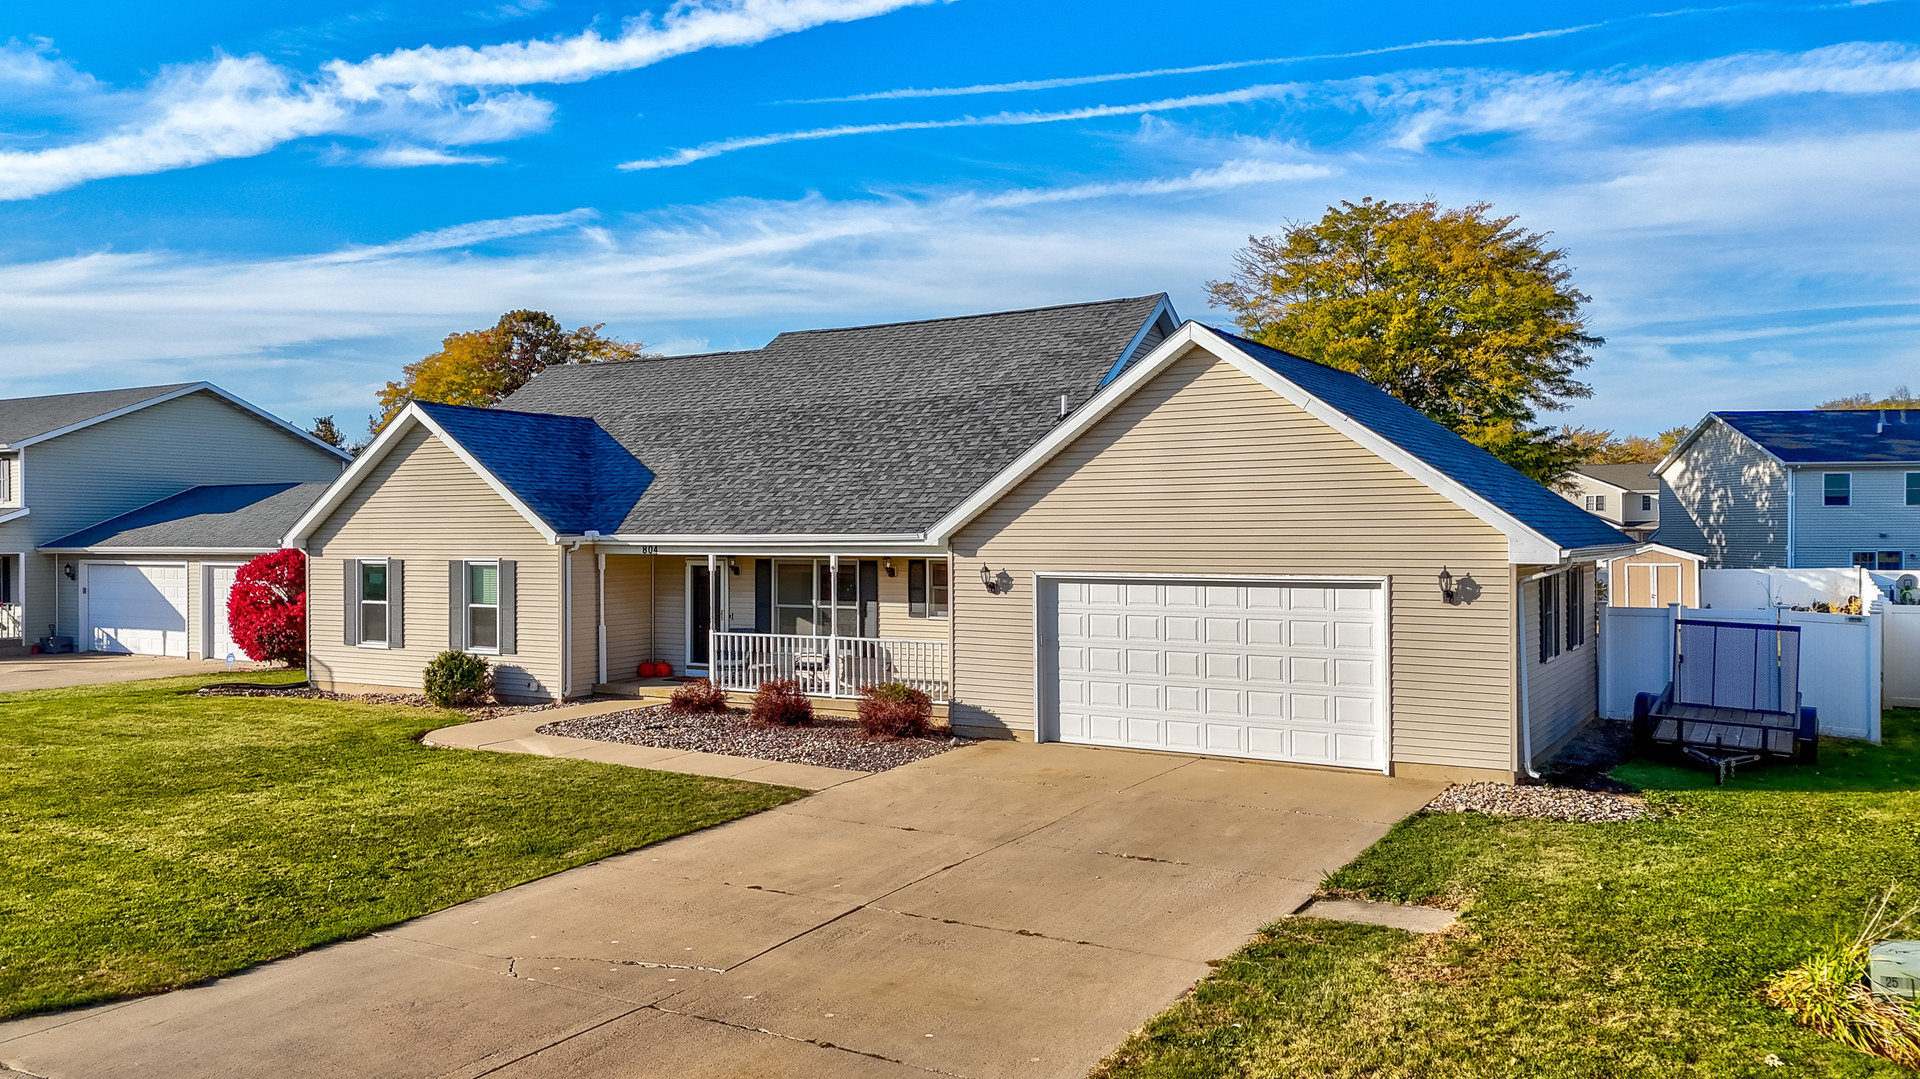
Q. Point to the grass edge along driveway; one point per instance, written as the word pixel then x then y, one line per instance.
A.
pixel 150 840
pixel 1585 949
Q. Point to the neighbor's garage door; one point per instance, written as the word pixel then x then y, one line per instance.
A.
pixel 1285 672
pixel 139 609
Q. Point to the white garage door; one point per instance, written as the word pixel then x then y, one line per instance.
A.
pixel 1285 672
pixel 138 609
pixel 219 587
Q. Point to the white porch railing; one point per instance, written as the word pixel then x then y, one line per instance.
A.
pixel 9 621
pixel 829 666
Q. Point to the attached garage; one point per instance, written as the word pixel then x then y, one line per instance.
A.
pixel 1269 669
pixel 134 608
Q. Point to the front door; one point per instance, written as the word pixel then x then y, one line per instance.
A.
pixel 699 615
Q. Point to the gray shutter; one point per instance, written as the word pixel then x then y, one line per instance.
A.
pixel 867 589
pixel 350 591
pixel 507 606
pixel 916 588
pixel 396 604
pixel 457 606
pixel 763 595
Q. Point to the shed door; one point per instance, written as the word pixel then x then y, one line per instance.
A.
pixel 137 609
pixel 1284 672
pixel 220 642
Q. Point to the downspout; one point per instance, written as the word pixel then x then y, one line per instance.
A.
pixel 1793 493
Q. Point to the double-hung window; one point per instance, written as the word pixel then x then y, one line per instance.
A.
pixel 1838 488
pixel 483 607
pixel 928 591
pixel 1646 503
pixel 1549 617
pixel 1879 559
pixel 1913 488
pixel 373 608
pixel 480 606
pixel 1576 607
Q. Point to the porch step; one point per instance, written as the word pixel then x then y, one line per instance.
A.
pixel 653 691
pixel 14 648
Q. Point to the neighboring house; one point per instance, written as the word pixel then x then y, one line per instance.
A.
pixel 123 513
pixel 1217 548
pixel 1625 496
pixel 1800 489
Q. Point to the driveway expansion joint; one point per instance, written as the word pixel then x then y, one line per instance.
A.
pixel 815 1042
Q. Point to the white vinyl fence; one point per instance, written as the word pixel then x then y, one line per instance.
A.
pixel 1839 660
pixel 1760 589
pixel 1900 654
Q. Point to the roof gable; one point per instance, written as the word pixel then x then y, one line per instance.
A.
pixel 1540 525
pixel 25 421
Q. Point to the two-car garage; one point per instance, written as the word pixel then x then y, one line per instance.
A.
pixel 1284 670
pixel 148 608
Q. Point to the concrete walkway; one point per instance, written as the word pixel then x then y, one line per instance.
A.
pixel 1001 910
pixel 92 668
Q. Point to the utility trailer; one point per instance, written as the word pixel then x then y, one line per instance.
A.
pixel 1734 698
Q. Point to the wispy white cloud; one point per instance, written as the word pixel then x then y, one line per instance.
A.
pixel 1428 106
pixel 468 235
pixel 234 107
pixel 409 157
pixel 1000 119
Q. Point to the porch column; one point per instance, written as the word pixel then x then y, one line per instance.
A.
pixel 833 625
pixel 713 615
pixel 600 608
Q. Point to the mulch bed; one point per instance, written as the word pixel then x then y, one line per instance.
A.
pixel 410 700
pixel 828 743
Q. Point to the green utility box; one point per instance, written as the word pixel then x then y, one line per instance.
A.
pixel 1893 969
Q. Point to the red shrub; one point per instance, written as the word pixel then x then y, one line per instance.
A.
pixel 781 704
pixel 267 610
pixel 699 695
pixel 894 710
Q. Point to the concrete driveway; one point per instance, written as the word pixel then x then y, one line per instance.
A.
pixel 90 668
pixel 1001 910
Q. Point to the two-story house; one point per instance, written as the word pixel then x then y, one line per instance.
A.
pixel 1625 496
pixel 124 513
pixel 1796 489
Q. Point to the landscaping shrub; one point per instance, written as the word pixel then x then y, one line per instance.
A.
pixel 1829 993
pixel 267 609
pixel 895 710
pixel 781 704
pixel 699 695
pixel 454 679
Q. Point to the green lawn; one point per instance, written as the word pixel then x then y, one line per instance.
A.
pixel 150 840
pixel 1587 950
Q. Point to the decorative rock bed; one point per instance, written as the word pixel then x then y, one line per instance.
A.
pixel 1545 803
pixel 828 743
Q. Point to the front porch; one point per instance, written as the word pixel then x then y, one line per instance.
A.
pixel 833 623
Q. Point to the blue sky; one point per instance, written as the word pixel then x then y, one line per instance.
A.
pixel 293 206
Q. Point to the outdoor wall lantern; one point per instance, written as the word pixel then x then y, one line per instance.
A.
pixel 888 563
pixel 1447 590
pixel 68 571
pixel 733 565
pixel 988 578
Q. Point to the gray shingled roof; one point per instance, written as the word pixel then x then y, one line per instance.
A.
pixel 22 418
pixel 1634 477
pixel 872 429
pixel 212 517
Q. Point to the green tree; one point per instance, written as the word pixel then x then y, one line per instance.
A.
pixel 1597 447
pixel 1899 398
pixel 1463 315
pixel 479 367
pixel 325 431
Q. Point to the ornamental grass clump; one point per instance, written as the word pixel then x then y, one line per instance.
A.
pixel 1828 993
pixel 455 679
pixel 699 695
pixel 781 704
pixel 895 710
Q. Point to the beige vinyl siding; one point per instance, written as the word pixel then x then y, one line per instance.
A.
pixel 1726 499
pixel 1876 517
pixel 630 621
pixel 894 619
pixel 1204 471
pixel 424 505
pixel 1626 589
pixel 1563 692
pixel 98 472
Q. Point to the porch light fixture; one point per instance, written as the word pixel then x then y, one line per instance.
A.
pixel 987 578
pixel 733 565
pixel 888 563
pixel 67 570
pixel 1447 590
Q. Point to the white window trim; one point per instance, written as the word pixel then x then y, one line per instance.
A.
pixel 360 603
pixel 1824 504
pixel 1907 488
pixel 467 615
